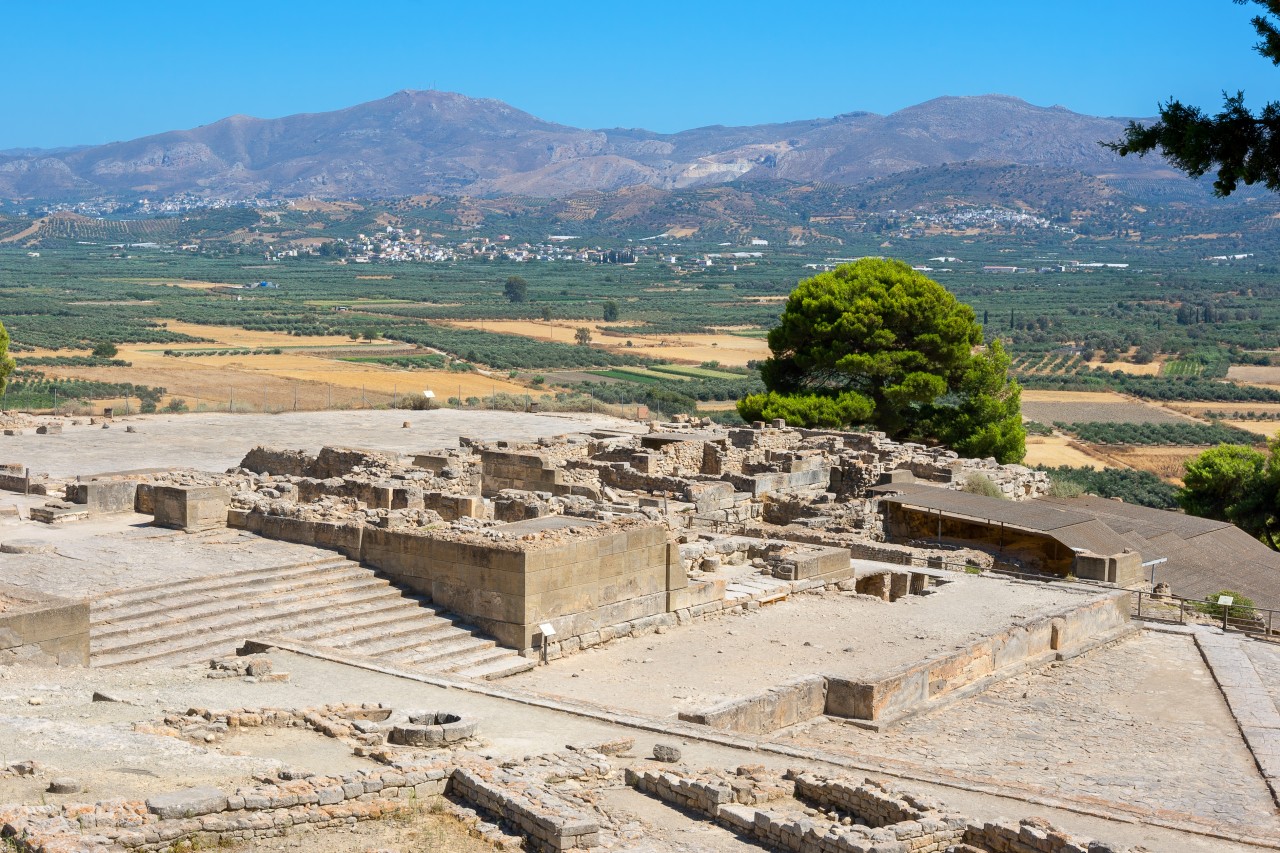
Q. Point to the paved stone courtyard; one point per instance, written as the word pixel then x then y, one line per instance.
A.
pixel 744 653
pixel 211 441
pixel 1140 724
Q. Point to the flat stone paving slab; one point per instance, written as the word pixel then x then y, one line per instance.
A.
pixel 1140 723
pixel 695 666
pixel 215 442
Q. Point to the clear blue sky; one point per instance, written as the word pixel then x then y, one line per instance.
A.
pixel 88 72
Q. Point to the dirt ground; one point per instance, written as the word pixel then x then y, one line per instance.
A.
pixel 421 830
pixel 1254 374
pixel 177 282
pixel 1199 409
pixel 1056 450
pixel 703 664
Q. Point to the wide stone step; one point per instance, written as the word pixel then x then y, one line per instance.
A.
pixel 500 667
pixel 398 639
pixel 176 652
pixel 215 607
pixel 367 622
pixel 236 614
pixel 429 656
pixel 180 601
pixel 477 657
pixel 160 590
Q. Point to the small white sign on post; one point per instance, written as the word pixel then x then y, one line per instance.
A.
pixel 548 631
pixel 1226 600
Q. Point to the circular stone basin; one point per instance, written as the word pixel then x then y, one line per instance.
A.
pixel 27 546
pixel 432 728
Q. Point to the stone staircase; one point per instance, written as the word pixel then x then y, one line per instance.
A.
pixel 331 603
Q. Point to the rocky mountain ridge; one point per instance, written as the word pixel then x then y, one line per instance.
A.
pixel 416 142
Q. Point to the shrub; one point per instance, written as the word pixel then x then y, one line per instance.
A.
pixel 1241 607
pixel 981 484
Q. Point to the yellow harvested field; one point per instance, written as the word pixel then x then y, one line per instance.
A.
pixel 1152 369
pixel 717 405
pixel 1265 428
pixel 1165 462
pixel 731 350
pixel 236 337
pixel 271 381
pixel 1034 396
pixel 1199 409
pixel 1055 450
pixel 177 282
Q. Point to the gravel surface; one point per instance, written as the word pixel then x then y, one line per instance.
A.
pixel 741 654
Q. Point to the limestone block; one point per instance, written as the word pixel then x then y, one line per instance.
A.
pixel 190 507
pixel 187 803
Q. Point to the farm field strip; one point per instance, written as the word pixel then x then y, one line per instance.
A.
pixel 1032 395
pixel 1267 429
pixel 684 372
pixel 727 348
pixel 1100 412
pixel 633 374
pixel 1254 374
pixel 1055 450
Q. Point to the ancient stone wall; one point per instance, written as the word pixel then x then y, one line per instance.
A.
pixel 104 496
pixel 846 817
pixel 36 628
pixel 776 708
pixel 919 686
pixel 547 822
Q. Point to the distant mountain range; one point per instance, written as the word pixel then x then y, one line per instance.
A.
pixel 431 142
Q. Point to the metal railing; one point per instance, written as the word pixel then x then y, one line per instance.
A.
pixel 1259 622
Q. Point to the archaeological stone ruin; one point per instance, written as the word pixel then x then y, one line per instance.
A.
pixel 505 569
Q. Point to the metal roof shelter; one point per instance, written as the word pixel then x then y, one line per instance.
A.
pixel 1203 556
pixel 1075 530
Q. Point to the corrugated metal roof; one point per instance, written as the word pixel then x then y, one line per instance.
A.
pixel 1202 556
pixel 1123 517
pixel 1029 515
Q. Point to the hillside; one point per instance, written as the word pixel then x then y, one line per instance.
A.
pixel 424 142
